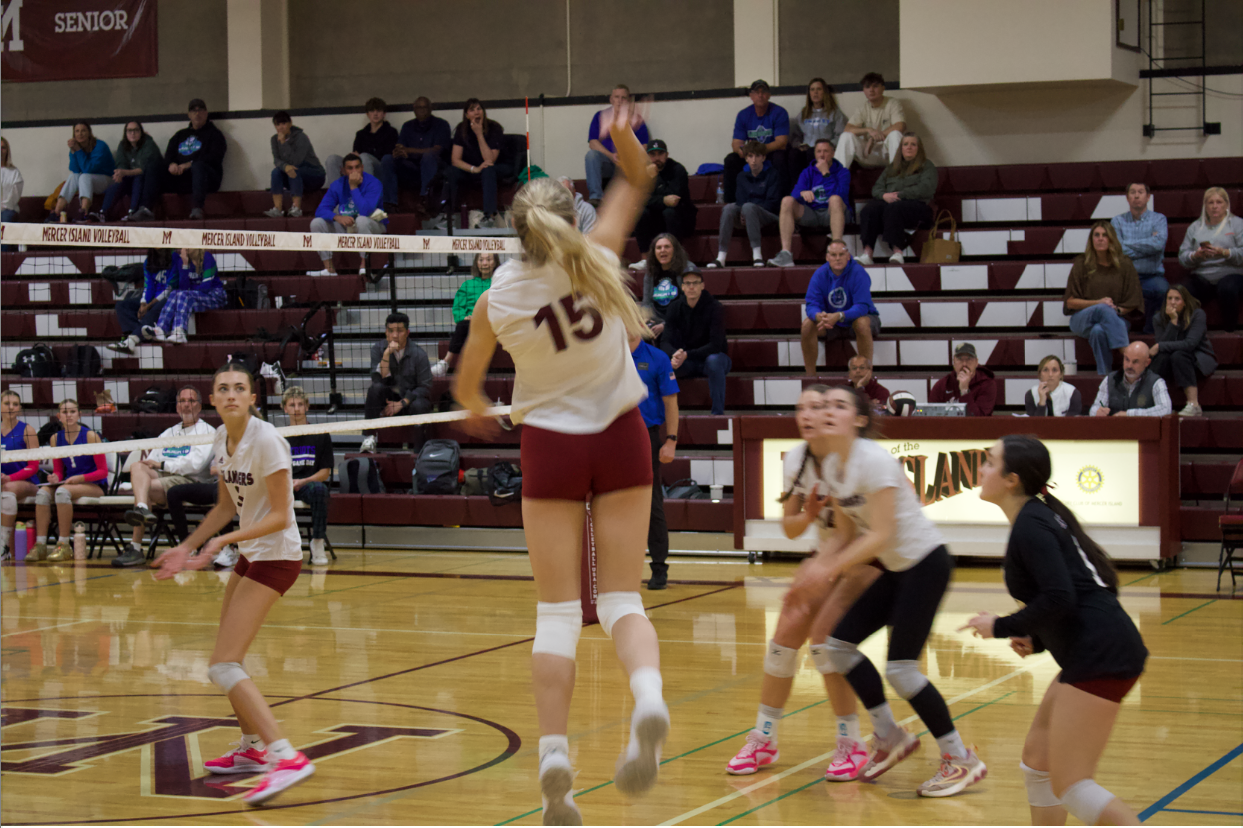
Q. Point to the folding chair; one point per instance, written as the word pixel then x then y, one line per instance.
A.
pixel 1231 525
pixel 101 525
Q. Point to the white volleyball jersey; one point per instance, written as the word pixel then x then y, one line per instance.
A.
pixel 869 469
pixel 261 452
pixel 574 372
pixel 802 473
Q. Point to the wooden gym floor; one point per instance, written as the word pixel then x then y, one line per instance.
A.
pixel 405 676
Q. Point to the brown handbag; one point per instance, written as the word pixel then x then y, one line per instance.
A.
pixel 941 251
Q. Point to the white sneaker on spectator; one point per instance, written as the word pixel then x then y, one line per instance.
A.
pixel 783 259
pixel 142 214
pixel 228 556
pixel 639 265
pixel 1191 410
pixel 324 272
pixel 275 212
pixel 295 212
pixel 369 444
pixel 178 336
pixel 897 258
pixel 440 368
pixel 157 334
pixel 125 346
pixel 197 214
pixel 865 259
pixel 319 555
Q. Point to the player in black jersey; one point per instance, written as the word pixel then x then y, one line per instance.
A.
pixel 1070 592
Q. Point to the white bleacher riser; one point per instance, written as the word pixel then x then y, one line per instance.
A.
pixel 920 352
pixel 1074 240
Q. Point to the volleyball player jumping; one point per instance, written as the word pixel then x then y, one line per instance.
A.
pixel 255 466
pixel 564 314
pixel 1070 591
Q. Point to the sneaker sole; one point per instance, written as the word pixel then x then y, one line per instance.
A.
pixel 893 759
pixel 958 787
pixel 555 785
pixel 638 775
pixel 248 769
pixel 136 518
pixel 295 778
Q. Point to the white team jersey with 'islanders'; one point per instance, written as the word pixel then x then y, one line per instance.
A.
pixel 575 374
pixel 260 452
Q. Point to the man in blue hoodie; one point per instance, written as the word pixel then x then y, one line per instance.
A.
pixel 758 192
pixel 819 200
pixel 839 305
pixel 349 206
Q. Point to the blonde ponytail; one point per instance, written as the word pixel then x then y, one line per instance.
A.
pixel 543 217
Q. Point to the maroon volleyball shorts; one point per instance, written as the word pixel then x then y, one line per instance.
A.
pixel 557 466
pixel 277 575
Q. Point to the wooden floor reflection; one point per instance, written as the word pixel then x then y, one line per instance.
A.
pixel 405 675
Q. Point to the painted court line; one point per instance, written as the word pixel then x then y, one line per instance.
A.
pixel 41 629
pixel 1160 804
pixel 56 583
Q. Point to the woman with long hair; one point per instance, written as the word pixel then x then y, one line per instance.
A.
pixel 198 288
pixel 476 156
pixel 900 200
pixel 1103 288
pixel 468 293
pixel 1052 396
pixel 255 466
pixel 805 502
pixel 90 169
pixel 878 518
pixel 564 313
pixel 664 266
pixel 1183 355
pixel 1069 590
pixel 1213 251
pixel 17 479
pixel 819 119
pixel 138 161
pixel 82 475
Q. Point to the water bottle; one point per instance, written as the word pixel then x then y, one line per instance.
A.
pixel 720 191
pixel 19 542
pixel 79 541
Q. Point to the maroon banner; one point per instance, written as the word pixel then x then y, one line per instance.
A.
pixel 57 40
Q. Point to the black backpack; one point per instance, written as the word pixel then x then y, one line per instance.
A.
pixel 47 431
pixel 156 400
pixel 686 489
pixel 38 361
pixel 358 475
pixel 247 294
pixel 83 361
pixel 436 468
pixel 504 483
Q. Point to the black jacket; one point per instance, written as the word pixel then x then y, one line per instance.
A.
pixel 700 331
pixel 210 148
pixel 379 143
pixel 672 180
pixel 412 375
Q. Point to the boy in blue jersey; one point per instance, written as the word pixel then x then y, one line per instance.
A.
pixel 660 408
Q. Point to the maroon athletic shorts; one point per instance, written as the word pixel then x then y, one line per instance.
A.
pixel 277 575
pixel 558 466
pixel 1112 688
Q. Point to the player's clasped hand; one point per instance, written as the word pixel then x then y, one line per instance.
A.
pixel 982 625
pixel 178 559
pixel 1022 646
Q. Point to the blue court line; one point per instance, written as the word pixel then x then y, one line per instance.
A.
pixel 1218 813
pixel 58 583
pixel 1160 804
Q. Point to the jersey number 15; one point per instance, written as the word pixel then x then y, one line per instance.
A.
pixel 548 314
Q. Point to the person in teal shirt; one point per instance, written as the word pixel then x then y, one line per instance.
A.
pixel 464 300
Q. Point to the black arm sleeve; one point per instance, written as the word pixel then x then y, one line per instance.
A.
pixel 1035 549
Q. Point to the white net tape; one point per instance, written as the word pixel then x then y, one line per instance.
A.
pixel 346 427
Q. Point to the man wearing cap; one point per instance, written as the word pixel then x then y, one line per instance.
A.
pixel 765 122
pixel 195 159
pixel 669 208
pixel 967 383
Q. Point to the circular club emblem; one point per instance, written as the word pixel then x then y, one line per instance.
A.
pixel 1090 480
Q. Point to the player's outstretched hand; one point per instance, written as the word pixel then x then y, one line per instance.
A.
pixel 981 625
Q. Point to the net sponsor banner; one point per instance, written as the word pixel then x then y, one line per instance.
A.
pixel 96 235
pixel 58 40
pixel 1098 479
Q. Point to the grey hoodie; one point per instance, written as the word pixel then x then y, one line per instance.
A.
pixel 296 150
pixel 1229 237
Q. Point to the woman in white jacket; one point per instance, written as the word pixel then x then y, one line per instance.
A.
pixel 1052 396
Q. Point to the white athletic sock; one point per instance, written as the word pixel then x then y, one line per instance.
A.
pixel 548 744
pixel 720 256
pixel 281 750
pixel 756 254
pixel 41 539
pixel 253 740
pixel 8 537
pixel 951 743
pixel 848 726
pixel 141 505
pixel 884 725
pixel 767 719
pixel 646 684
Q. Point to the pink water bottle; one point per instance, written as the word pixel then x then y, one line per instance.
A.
pixel 79 541
pixel 19 542
pixel 31 536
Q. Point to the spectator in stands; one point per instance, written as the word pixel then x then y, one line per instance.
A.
pixel 199 288
pixel 401 376
pixel 476 157
pixel 468 293
pixel 818 201
pixel 819 119
pixel 137 158
pixel 312 470
pixel 1052 396
pixel 195 158
pixel 90 170
pixel 967 383
pixel 423 149
pixel 18 480
pixel 349 206
pixel 660 407
pixel 762 122
pixel 601 160
pixel 694 338
pixel 1142 234
pixel 1213 251
pixel 859 372
pixel 1103 287
pixel 11 184
pixel 375 144
pixel 1183 354
pixel 582 207
pixel 900 199
pixel 663 269
pixel 1134 390
pixel 295 167
pixel 197 494
pixel 758 194
pixel 165 468
pixel 838 305
pixel 82 475
pixel 873 135
pixel 669 208
pixel 137 313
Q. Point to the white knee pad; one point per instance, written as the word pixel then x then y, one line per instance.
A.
pixel 843 655
pixel 43 497
pixel 226 674
pixel 557 628
pixel 8 503
pixel 1086 800
pixel 905 678
pixel 823 658
pixel 1039 788
pixel 63 496
pixel 781 662
pixel 613 606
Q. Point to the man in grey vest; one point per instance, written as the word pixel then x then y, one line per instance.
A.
pixel 1134 391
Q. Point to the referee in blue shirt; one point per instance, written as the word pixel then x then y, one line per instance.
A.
pixel 660 408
